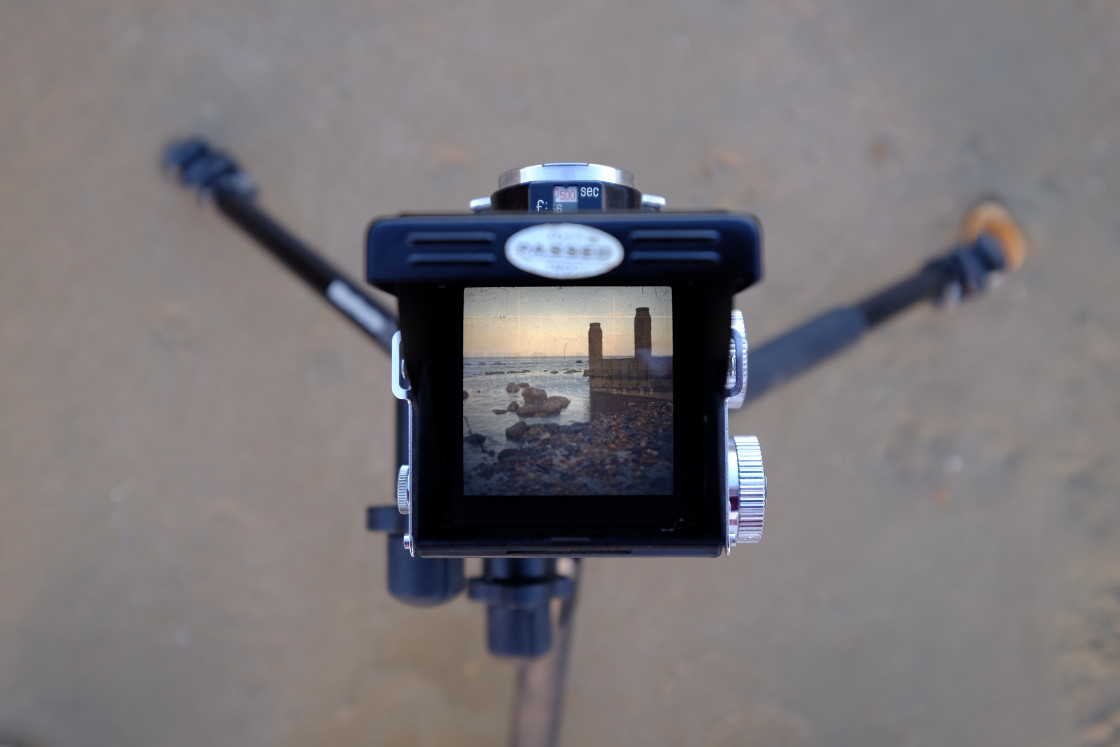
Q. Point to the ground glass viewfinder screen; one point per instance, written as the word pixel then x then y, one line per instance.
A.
pixel 568 391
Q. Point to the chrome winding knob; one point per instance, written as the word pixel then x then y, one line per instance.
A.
pixel 737 362
pixel 746 491
pixel 404 489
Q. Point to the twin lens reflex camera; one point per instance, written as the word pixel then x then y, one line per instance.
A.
pixel 569 355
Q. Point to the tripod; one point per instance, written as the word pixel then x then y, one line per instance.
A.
pixel 531 602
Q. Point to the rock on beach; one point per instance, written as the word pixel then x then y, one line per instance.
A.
pixel 550 406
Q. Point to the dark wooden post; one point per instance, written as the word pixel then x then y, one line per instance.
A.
pixel 643 334
pixel 595 348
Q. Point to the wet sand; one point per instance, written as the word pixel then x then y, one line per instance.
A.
pixel 189 439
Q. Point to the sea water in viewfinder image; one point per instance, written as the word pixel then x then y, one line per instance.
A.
pixel 568 391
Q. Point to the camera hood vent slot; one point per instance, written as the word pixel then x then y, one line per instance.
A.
pixel 697 257
pixel 450 238
pixel 676 236
pixel 452 258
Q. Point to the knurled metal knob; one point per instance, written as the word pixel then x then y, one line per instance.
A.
pixel 737 368
pixel 746 491
pixel 404 489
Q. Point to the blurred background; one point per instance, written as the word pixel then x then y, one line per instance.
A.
pixel 188 439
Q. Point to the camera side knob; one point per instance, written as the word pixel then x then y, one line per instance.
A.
pixel 404 489
pixel 737 362
pixel 746 491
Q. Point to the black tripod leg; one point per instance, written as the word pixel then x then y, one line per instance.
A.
pixel 216 176
pixel 539 698
pixel 961 273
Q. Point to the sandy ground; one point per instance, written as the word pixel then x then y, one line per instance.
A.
pixel 188 439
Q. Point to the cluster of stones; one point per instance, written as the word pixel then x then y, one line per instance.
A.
pixel 620 452
pixel 537 402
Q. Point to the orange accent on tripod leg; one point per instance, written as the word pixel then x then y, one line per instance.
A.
pixel 992 218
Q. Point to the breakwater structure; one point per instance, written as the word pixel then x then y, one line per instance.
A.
pixel 616 382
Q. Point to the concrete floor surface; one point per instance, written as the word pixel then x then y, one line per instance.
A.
pixel 188 439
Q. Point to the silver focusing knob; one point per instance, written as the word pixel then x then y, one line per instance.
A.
pixel 737 362
pixel 548 172
pixel 746 491
pixel 404 489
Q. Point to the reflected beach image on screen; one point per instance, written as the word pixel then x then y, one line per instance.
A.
pixel 568 391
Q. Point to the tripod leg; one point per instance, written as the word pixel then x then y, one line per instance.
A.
pixel 539 697
pixel 991 241
pixel 216 176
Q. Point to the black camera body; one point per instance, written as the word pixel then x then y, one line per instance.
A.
pixel 568 361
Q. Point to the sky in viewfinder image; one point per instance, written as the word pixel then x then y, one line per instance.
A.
pixel 553 321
